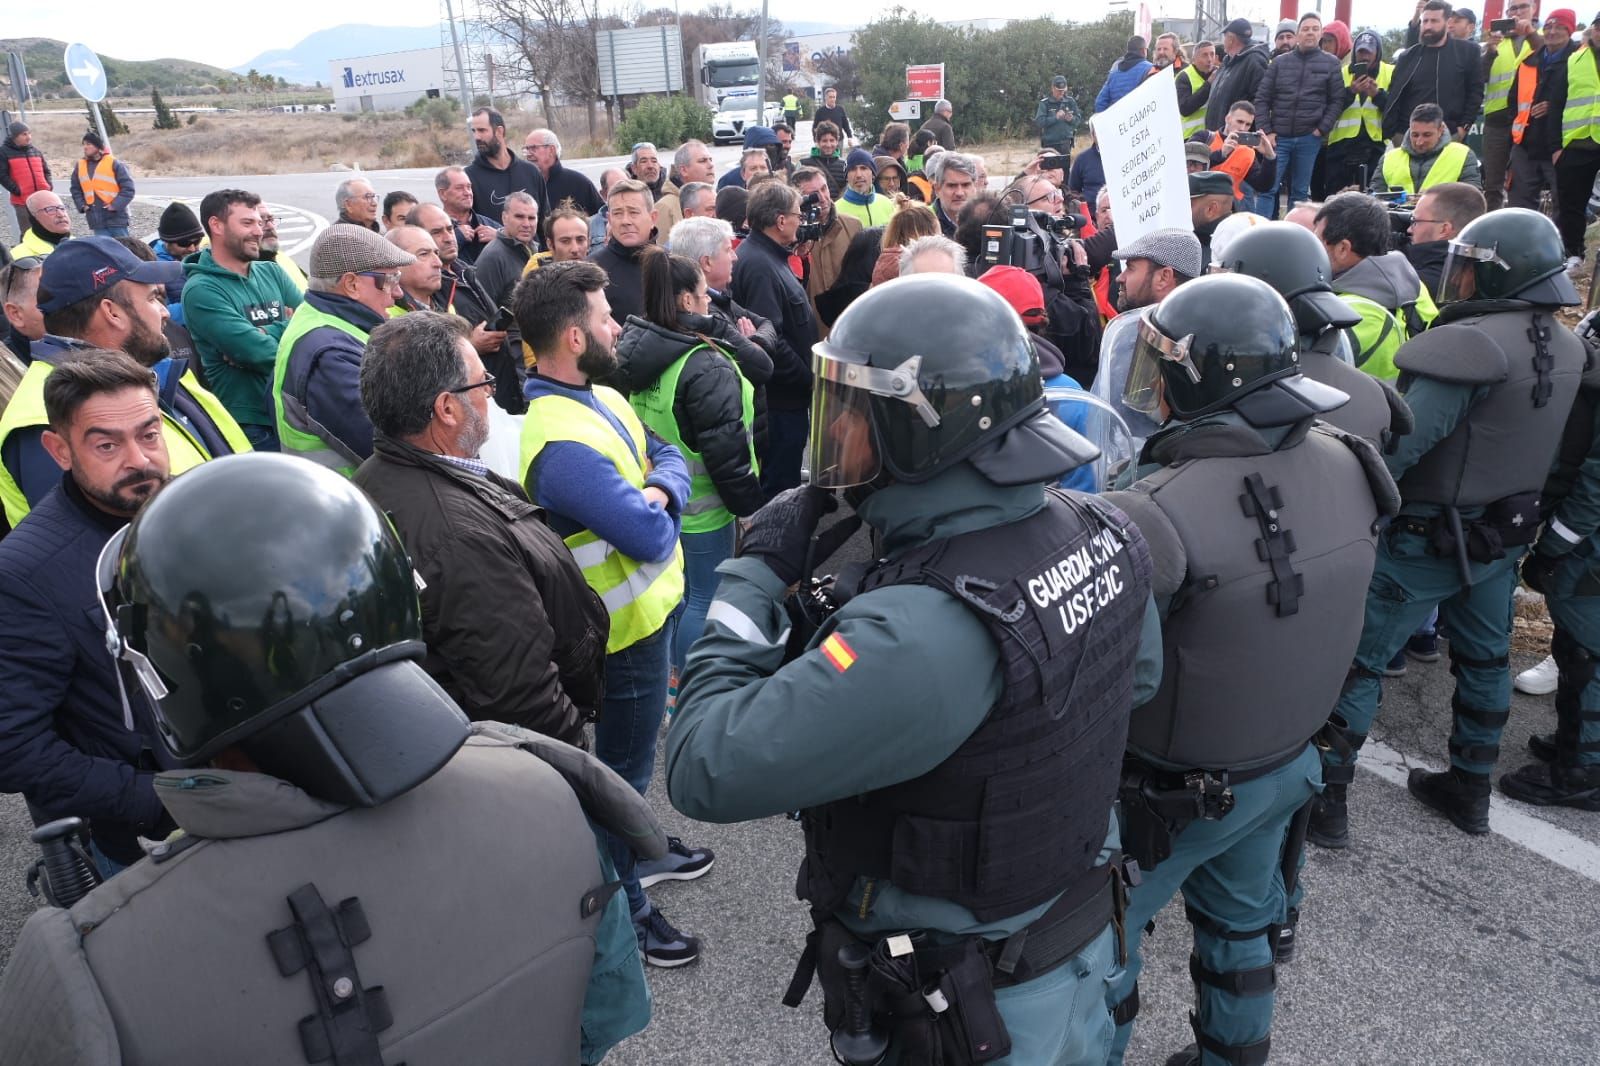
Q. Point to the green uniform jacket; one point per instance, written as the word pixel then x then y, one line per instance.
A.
pixel 236 322
pixel 753 737
pixel 1055 132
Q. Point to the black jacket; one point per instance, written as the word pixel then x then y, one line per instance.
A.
pixel 942 132
pixel 64 744
pixel 565 184
pixel 707 404
pixel 763 282
pixel 514 633
pixel 1189 99
pixel 1450 75
pixel 834 115
pixel 491 186
pixel 624 285
pixel 1301 92
pixel 1427 259
pixel 832 167
pixel 1543 136
pixel 462 290
pixel 499 268
pixel 1237 79
pixel 755 353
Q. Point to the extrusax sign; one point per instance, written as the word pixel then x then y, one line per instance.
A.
pixel 1141 148
pixel 413 73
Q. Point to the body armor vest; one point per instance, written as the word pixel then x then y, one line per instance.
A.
pixel 1368 413
pixel 478 969
pixel 1016 815
pixel 1279 549
pixel 1504 444
pixel 1577 441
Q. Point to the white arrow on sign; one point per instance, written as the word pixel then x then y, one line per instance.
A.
pixel 87 72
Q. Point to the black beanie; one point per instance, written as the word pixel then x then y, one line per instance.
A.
pixel 94 138
pixel 177 223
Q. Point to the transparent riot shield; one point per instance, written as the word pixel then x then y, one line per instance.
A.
pixel 1095 419
pixel 1116 354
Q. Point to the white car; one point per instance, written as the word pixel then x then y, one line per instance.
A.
pixel 728 123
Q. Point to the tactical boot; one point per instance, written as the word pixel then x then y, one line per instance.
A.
pixel 1330 818
pixel 1189 1056
pixel 1459 796
pixel 1554 785
pixel 1543 747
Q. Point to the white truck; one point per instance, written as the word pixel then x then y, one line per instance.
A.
pixel 723 66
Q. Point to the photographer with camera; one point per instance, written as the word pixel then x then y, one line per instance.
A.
pixel 1246 155
pixel 823 238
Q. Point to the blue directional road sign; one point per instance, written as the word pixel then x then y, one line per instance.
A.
pixel 86 73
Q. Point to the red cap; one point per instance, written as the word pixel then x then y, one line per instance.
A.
pixel 1018 288
pixel 1564 17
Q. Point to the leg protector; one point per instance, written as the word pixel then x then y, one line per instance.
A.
pixel 1234 1054
pixel 1256 982
pixel 1577 669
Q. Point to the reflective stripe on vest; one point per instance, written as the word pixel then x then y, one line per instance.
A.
pixel 1501 72
pixel 102 184
pixel 1527 85
pixel 26 410
pixel 1381 332
pixel 639 596
pixel 298 432
pixel 1447 167
pixel 705 511
pixel 1195 121
pixel 1580 119
pixel 1363 112
pixel 227 427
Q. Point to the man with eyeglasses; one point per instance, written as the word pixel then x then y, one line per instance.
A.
pixel 19 299
pixel 50 226
pixel 542 148
pixel 1503 55
pixel 1441 213
pixel 355 279
pixel 357 202
pixel 270 248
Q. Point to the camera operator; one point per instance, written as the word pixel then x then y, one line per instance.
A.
pixel 822 253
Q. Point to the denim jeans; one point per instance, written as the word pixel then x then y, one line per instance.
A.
pixel 625 735
pixel 1296 157
pixel 262 438
pixel 702 553
pixel 109 231
pixel 787 433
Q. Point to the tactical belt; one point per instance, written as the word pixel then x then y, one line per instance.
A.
pixel 1069 926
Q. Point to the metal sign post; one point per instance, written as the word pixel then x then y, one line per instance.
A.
pixel 88 77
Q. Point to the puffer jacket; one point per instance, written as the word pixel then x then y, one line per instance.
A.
pixel 23 171
pixel 1302 92
pixel 1122 79
pixel 707 405
pixel 1237 79
pixel 754 352
pixel 486 555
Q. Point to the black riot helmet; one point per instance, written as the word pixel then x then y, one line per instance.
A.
pixel 1214 341
pixel 1295 263
pixel 1510 254
pixel 265 602
pixel 928 371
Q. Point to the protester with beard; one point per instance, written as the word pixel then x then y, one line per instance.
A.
pixel 70 742
pixel 270 247
pixel 1154 265
pixel 1440 70
pixel 94 293
pixel 617 495
pixel 496 172
pixel 484 552
pixel 236 309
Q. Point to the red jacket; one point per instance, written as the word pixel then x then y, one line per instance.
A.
pixel 23 171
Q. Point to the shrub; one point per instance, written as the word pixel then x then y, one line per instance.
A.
pixel 665 121
pixel 440 112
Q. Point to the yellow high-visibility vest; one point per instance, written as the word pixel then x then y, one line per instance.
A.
pixel 1363 112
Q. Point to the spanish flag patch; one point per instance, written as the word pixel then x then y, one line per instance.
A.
pixel 839 653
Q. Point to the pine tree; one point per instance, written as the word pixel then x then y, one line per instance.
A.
pixel 114 125
pixel 165 119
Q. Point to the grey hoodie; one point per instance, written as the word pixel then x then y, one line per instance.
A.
pixel 1388 280
pixel 1420 165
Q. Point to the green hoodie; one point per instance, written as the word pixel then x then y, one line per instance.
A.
pixel 235 323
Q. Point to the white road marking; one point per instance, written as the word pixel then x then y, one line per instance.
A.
pixel 297 227
pixel 1512 820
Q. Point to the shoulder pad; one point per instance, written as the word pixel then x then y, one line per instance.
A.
pixel 606 798
pixel 1169 562
pixel 1384 491
pixel 1455 353
pixel 1401 421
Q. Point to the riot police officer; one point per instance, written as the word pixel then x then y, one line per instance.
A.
pixel 1291 259
pixel 437 891
pixel 1490 386
pixel 1563 566
pixel 975 685
pixel 1262 526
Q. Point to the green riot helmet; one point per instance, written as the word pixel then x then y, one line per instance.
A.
pixel 928 371
pixel 1214 341
pixel 1294 262
pixel 263 601
pixel 1510 254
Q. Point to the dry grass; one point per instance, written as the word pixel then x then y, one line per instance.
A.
pixel 1530 626
pixel 261 143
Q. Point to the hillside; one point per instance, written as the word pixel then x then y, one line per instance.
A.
pixel 43 59
pixel 307 62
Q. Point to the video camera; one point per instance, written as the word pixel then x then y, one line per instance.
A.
pixel 1032 240
pixel 811 224
pixel 1401 209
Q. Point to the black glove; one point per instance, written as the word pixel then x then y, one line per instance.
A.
pixel 1539 569
pixel 780 533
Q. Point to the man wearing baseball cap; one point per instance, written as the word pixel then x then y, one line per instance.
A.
pixel 353 281
pixel 1210 201
pixel 1057 118
pixel 94 293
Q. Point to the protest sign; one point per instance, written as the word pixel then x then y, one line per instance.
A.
pixel 1141 148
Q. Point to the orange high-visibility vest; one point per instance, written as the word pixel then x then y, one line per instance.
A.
pixel 1527 82
pixel 102 184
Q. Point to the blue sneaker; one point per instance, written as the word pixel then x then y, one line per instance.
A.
pixel 660 943
pixel 681 863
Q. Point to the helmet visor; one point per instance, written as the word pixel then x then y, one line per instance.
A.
pixel 1459 279
pixel 1150 351
pixel 844 451
pixel 111 608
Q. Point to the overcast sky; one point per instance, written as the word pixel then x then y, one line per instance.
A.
pixel 210 32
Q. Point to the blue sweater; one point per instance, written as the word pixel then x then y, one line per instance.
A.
pixel 1124 77
pixel 582 489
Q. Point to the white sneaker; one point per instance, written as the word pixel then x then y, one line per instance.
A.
pixel 1538 680
pixel 1572 263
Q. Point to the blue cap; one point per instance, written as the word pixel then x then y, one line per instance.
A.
pixel 759 137
pixel 86 266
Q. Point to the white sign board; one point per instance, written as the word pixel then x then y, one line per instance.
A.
pixel 905 110
pixel 410 74
pixel 1141 147
pixel 646 59
pixel 85 72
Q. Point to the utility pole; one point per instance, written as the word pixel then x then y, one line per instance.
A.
pixel 761 65
pixel 461 77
